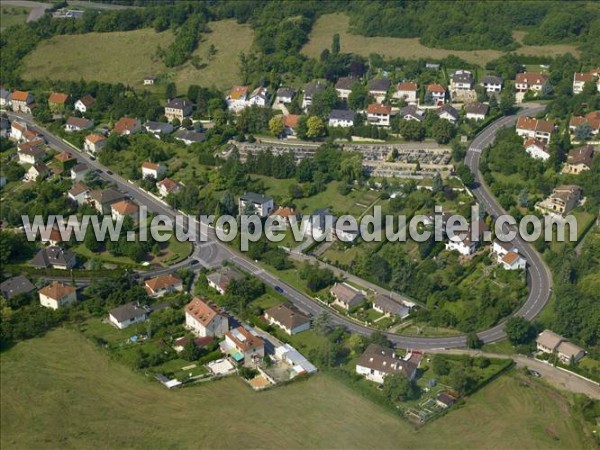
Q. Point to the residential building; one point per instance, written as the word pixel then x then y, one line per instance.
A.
pixel 310 89
pixel 344 86
pixel 21 101
pixel 290 123
pixel 79 193
pixel 16 286
pixel 346 296
pixel 469 243
pixel 158 128
pixel 57 295
pixel 444 400
pixel 579 80
pixel 379 114
pixel 102 199
pixel 237 97
pixel 253 203
pixel 548 341
pixel 449 113
pixel 178 108
pixel 530 81
pixel 285 95
pixel 411 112
pixel 377 362
pixel 126 315
pixel 390 307
pixel 536 149
pixel 461 80
pixel 84 104
pixel 477 110
pixel 299 364
pixel 126 126
pixel 259 97
pixel 66 160
pixel 78 124
pixel 55 257
pixel 57 101
pixel 31 152
pixel 94 143
pixel 189 137
pixel 513 261
pixel 592 119
pixel 79 171
pixel 125 208
pixel 378 88
pixel 492 84
pixel 533 128
pixel 569 353
pixel 562 200
pixel 341 118
pixel 243 345
pixel 579 160
pixel 38 171
pixel 437 93
pixel 167 186
pixel 17 130
pixel 406 91
pixel 220 279
pixel 150 169
pixel 163 284
pixel 283 214
pixel 5 98
pixel 53 237
pixel 204 319
pixel 288 318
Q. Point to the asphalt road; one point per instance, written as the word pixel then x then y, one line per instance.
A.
pixel 213 252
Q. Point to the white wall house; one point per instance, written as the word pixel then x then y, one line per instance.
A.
pixel 252 201
pixel 57 295
pixel 126 315
pixel 204 319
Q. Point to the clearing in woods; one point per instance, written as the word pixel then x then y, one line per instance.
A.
pixel 61 390
pixel 409 48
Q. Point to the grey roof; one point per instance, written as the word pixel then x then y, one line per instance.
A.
pixel 81 167
pixel 412 110
pixel 106 196
pixel 312 88
pixel 52 256
pixel 286 92
pixel 223 277
pixel 254 198
pixel 449 109
pixel 390 306
pixel 342 114
pixel 4 123
pixel 477 108
pixel 346 83
pixel 347 294
pixel 462 76
pixel 179 103
pixel 80 122
pixel 508 246
pixel 4 94
pixel 127 312
pixel 379 84
pixel 15 286
pixel 160 127
pixel 187 135
pixel 491 79
pixel 384 359
pixel 287 315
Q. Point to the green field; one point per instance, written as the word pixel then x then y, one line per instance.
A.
pixel 128 56
pixel 13 15
pixel 62 391
pixel 329 24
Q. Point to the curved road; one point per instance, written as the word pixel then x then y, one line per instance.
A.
pixel 212 252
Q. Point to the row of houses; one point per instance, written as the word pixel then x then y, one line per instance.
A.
pixel 551 343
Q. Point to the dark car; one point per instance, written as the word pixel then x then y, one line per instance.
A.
pixel 109 172
pixel 195 262
pixel 278 289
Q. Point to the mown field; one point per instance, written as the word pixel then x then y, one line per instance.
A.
pixel 13 15
pixel 62 391
pixel 128 56
pixel 329 24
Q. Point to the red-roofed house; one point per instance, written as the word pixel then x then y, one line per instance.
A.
pixel 56 295
pixel 150 169
pixel 94 143
pixel 579 80
pixel 22 101
pixel 167 186
pixel 57 101
pixel 126 126
pixel 437 92
pixel 530 81
pixel 536 149
pixel 592 119
pixel 84 103
pixel 379 114
pixel 204 319
pixel 407 92
pixel 290 122
pixel 242 344
pixel 163 284
pixel 533 128
pixel 237 98
pixel 124 208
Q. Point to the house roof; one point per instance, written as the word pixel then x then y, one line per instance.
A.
pixel 125 124
pixel 238 92
pixel 4 93
pixel 287 315
pixel 223 277
pixel 20 96
pixel 18 125
pixel 446 399
pixel 106 196
pixel 477 108
pixel 161 127
pixel 94 138
pixel 412 110
pixel 312 88
pixel 127 312
pixel 79 122
pixel 286 92
pixel 569 349
pixel 87 100
pixel 57 290
pixel 284 211
pixel 58 98
pixel 192 136
pixel 379 108
pixel 29 135
pixel 549 339
pixel 125 207
pixel 162 282
pixel 462 76
pixel 510 258
pixel 585 77
pixel 530 78
pixel 437 88
pixel 78 168
pixel 33 148
pixel 406 86
pixel 491 79
pixel 592 119
pixel 77 189
pixel 346 294
pixel 51 256
pixel 15 286
pixel 64 157
pixel 379 85
pixel 40 168
pixel 342 114
pixel 150 165
pixel 202 311
pixel 291 120
pixel 168 184
pixel 449 109
pixel 388 305
pixel 179 103
pixel 243 339
pixel 529 142
pixel 260 91
pixel 581 155
pixel 346 83
pixel 527 123
pixel 255 198
pixel 383 359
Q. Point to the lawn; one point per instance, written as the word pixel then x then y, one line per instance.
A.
pixel 128 56
pixel 13 15
pixel 62 391
pixel 329 24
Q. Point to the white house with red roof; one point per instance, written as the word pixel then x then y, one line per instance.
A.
pixel 379 114
pixel 536 149
pixel 150 169
pixel 406 91
pixel 167 186
pixel 535 128
pixel 56 295
pixel 530 81
pixel 579 80
pixel 94 143
pixel 204 319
